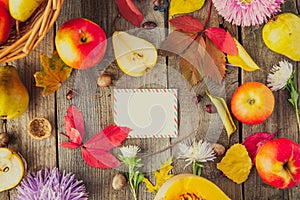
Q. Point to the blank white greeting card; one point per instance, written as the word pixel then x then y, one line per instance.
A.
pixel 150 113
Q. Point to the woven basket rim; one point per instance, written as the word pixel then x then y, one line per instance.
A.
pixel 31 33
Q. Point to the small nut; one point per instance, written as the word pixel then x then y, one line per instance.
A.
pixel 4 139
pixel 39 128
pixel 104 80
pixel 219 149
pixel 118 182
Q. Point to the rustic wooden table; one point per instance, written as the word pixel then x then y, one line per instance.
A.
pixel 47 153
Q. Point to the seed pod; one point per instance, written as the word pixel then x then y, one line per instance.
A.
pixel 210 108
pixel 70 94
pixel 149 25
pixel 118 182
pixel 104 80
pixel 219 149
pixel 4 139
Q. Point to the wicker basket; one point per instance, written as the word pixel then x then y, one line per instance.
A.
pixel 20 43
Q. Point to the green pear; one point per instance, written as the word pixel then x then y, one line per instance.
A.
pixel 14 96
pixel 281 35
pixel 21 10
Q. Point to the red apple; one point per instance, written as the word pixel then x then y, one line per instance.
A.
pixel 252 103
pixel 5 26
pixel 80 43
pixel 278 163
pixel 4 4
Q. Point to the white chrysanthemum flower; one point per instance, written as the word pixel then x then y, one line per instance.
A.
pixel 130 150
pixel 279 75
pixel 196 152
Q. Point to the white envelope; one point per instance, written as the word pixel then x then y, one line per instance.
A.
pixel 150 113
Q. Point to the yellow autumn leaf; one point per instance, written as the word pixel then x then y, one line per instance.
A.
pixel 186 6
pixel 224 113
pixel 236 164
pixel 243 59
pixel 54 74
pixel 160 176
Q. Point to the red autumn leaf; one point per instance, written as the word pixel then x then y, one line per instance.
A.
pixel 198 57
pixel 74 125
pixel 108 138
pixel 254 142
pixel 129 11
pixel 222 39
pixel 217 56
pixel 187 24
pixel 69 145
pixel 177 42
pixel 96 150
pixel 99 158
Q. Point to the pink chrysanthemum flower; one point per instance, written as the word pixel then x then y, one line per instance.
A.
pixel 247 12
pixel 51 185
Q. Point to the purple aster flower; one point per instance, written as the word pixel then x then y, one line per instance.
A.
pixel 51 185
pixel 247 12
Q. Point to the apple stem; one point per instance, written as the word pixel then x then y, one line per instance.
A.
pixel 4 125
pixel 83 37
pixel 285 166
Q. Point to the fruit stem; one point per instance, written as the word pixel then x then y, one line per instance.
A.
pixel 208 15
pixel 4 125
pixel 285 166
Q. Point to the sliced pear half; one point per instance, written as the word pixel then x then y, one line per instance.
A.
pixel 135 56
pixel 11 169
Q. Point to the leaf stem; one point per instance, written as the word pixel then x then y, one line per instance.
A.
pixel 208 15
pixel 291 87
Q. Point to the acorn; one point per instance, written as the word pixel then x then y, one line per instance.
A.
pixel 104 80
pixel 118 182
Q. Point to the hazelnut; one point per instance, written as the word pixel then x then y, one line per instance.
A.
pixel 104 80
pixel 219 149
pixel 118 182
pixel 4 139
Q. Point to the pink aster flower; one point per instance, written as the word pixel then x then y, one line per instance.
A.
pixel 51 185
pixel 247 12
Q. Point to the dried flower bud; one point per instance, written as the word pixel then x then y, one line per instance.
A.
pixel 70 94
pixel 4 139
pixel 118 182
pixel 197 99
pixel 104 80
pixel 149 25
pixel 210 108
pixel 219 149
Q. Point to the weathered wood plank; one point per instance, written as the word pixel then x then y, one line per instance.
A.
pixel 39 154
pixel 283 117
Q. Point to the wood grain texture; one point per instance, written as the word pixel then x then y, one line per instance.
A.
pixel 98 111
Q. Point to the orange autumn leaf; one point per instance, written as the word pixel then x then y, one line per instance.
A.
pixel 54 74
pixel 160 176
pixel 236 164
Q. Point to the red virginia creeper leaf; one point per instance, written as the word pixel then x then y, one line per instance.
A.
pixel 217 55
pixel 99 159
pixel 222 39
pixel 254 142
pixel 128 10
pixel 198 57
pixel 187 24
pixel 74 125
pixel 177 42
pixel 69 145
pixel 108 138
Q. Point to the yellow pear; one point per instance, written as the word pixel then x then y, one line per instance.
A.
pixel 135 56
pixel 21 10
pixel 14 96
pixel 11 169
pixel 282 35
pixel 243 59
